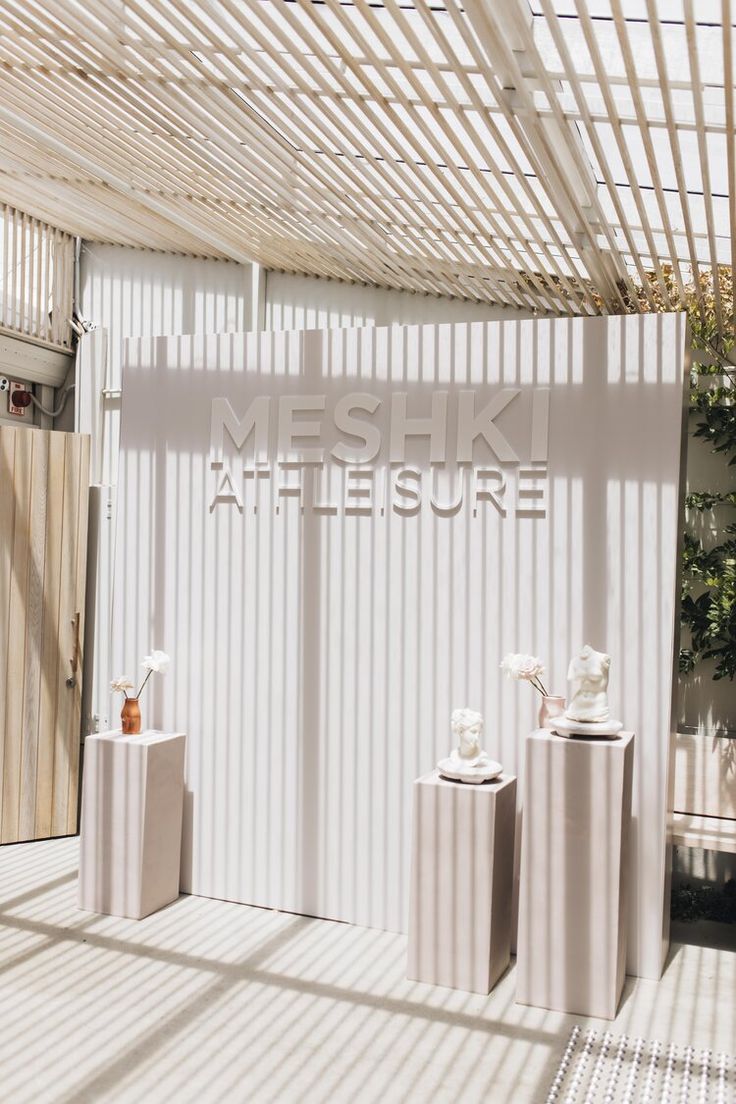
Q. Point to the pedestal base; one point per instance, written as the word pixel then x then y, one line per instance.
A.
pixel 571 946
pixel 132 803
pixel 607 730
pixel 462 869
pixel 456 772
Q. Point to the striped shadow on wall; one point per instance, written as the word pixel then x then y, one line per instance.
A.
pixel 326 609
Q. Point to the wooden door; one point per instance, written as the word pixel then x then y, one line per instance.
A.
pixel 44 480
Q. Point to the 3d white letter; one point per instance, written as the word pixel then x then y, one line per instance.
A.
pixel 531 492
pixel 370 435
pixel 256 418
pixel 490 494
pixel 289 429
pixel 319 505
pixel 227 493
pixel 471 425
pixel 406 492
pixel 434 427
pixel 289 490
pixel 358 499
pixel 447 509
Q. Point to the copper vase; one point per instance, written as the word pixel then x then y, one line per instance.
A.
pixel 130 717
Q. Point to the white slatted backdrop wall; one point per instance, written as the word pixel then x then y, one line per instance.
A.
pixel 317 656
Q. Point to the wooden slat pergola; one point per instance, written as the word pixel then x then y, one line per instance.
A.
pixel 558 156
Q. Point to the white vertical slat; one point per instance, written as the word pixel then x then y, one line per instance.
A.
pixel 23 273
pixel 36 274
pixel 5 271
pixel 38 289
pixel 45 332
pixel 13 270
pixel 55 273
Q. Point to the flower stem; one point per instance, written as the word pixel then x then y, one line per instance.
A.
pixel 150 672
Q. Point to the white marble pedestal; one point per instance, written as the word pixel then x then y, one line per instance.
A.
pixel 571 944
pixel 132 802
pixel 462 870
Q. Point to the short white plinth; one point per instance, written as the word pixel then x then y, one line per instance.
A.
pixel 461 876
pixel 132 802
pixel 571 944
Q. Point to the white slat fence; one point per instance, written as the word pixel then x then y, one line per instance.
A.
pixel 36 278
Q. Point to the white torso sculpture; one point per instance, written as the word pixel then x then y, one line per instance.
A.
pixel 468 762
pixel 588 678
pixel 587 713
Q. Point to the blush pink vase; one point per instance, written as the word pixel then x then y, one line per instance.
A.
pixel 552 706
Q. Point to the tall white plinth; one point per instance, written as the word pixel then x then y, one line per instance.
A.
pixel 461 875
pixel 571 943
pixel 132 803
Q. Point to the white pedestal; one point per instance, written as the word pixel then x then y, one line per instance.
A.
pixel 462 870
pixel 132 801
pixel 571 944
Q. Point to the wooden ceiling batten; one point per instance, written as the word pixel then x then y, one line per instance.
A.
pixel 543 160
pixel 697 86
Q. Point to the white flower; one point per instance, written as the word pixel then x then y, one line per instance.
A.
pixel 157 661
pixel 518 666
pixel 121 684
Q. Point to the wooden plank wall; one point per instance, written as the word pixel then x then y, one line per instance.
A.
pixel 43 541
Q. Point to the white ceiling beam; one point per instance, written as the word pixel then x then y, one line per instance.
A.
pixel 505 33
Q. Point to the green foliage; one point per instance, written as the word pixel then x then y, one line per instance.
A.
pixel 705 902
pixel 709 572
pixel 717 425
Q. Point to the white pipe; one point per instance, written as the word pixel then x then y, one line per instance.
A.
pixel 60 407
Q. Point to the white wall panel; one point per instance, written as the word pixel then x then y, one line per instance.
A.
pixel 308 303
pixel 317 656
pixel 138 293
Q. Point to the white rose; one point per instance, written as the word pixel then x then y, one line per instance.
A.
pixel 519 666
pixel 121 684
pixel 157 661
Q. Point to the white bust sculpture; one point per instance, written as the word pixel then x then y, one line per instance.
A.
pixel 468 762
pixel 467 727
pixel 587 712
pixel 588 678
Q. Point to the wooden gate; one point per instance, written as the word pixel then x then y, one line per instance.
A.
pixel 44 480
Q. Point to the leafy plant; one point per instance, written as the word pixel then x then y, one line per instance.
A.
pixel 705 902
pixel 708 607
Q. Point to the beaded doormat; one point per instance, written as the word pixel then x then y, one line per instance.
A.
pixel 600 1068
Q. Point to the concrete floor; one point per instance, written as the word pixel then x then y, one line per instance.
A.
pixel 212 1001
